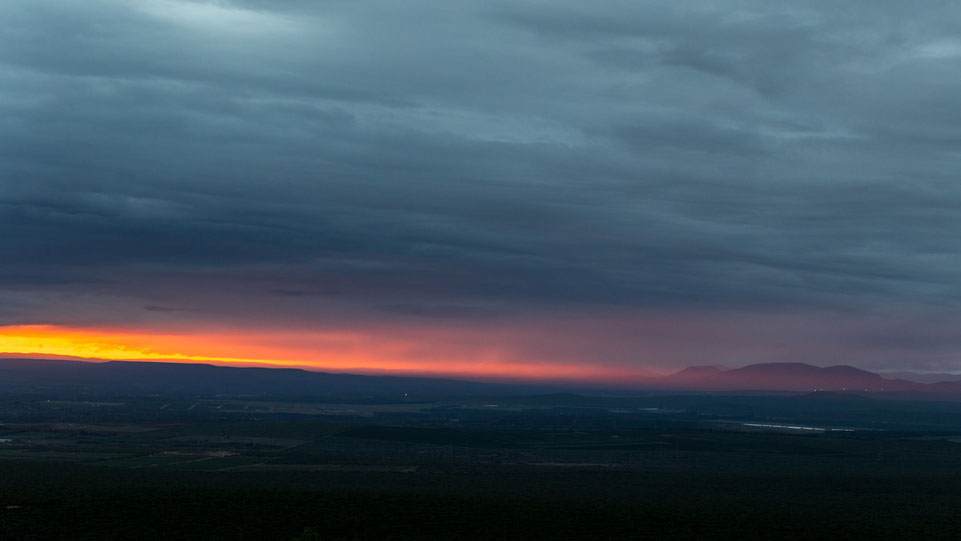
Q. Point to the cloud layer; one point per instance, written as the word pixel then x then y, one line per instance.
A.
pixel 489 166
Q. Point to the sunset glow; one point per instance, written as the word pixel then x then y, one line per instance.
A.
pixel 47 340
pixel 313 351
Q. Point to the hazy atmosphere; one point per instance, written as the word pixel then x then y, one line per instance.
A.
pixel 522 189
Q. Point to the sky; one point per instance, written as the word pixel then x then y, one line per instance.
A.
pixel 484 189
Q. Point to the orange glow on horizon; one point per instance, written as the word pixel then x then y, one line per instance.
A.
pixel 332 351
pixel 49 340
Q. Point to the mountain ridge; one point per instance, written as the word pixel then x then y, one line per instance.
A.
pixel 793 376
pixel 26 374
pixel 114 376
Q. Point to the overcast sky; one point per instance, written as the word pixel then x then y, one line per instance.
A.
pixel 617 183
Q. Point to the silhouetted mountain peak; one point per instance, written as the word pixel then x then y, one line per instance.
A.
pixel 776 368
pixel 846 370
pixel 791 376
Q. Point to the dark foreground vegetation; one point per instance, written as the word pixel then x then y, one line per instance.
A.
pixel 543 467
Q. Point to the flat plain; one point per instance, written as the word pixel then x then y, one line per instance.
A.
pixel 551 466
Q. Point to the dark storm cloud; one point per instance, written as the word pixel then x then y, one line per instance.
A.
pixel 430 158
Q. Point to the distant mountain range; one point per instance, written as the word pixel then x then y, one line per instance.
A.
pixel 139 377
pixel 135 377
pixel 786 377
